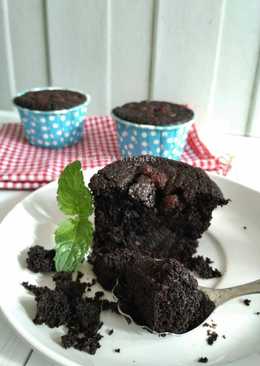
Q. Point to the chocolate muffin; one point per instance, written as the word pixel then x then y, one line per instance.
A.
pixel 154 113
pixel 162 295
pixel 150 205
pixel 50 100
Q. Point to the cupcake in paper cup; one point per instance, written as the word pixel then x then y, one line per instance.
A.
pixel 52 117
pixel 152 127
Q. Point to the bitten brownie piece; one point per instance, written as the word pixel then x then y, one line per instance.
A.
pixel 50 100
pixel 162 295
pixel 152 205
pixel 154 113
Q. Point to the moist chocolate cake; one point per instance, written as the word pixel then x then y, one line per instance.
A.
pixel 152 205
pixel 50 100
pixel 154 113
pixel 162 295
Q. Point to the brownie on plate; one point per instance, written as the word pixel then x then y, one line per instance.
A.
pixel 152 205
pixel 162 295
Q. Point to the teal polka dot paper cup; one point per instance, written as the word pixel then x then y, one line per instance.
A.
pixel 53 129
pixel 140 139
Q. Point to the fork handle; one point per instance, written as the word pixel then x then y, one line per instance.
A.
pixel 220 296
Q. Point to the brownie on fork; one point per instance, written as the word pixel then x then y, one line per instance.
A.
pixel 162 295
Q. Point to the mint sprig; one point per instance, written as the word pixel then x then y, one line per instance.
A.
pixel 74 236
pixel 73 197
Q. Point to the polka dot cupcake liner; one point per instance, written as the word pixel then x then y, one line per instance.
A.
pixel 54 129
pixel 164 141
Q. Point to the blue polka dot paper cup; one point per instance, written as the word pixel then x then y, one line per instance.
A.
pixel 139 139
pixel 53 129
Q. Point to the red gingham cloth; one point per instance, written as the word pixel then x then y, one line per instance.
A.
pixel 23 166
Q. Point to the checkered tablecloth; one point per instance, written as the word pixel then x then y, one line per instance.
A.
pixel 23 166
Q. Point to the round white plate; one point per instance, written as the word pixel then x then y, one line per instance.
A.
pixel 235 250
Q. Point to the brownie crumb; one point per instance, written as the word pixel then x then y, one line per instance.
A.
pixel 110 332
pixel 224 336
pixel 99 295
pixel 203 359
pixel 247 302
pixel 81 343
pixel 117 350
pixel 72 289
pixel 257 313
pixel 212 337
pixel 211 325
pixel 244 227
pixel 202 267
pixel 163 334
pixel 65 305
pixel 109 305
pixel 40 259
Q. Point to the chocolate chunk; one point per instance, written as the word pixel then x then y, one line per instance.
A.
pixel 158 177
pixel 143 190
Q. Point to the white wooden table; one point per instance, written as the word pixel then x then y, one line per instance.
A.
pixel 246 151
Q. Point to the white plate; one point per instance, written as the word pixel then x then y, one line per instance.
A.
pixel 236 252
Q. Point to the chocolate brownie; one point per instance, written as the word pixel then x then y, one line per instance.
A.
pixel 162 295
pixel 156 206
pixel 50 100
pixel 154 113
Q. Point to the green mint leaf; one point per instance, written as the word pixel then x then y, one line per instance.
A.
pixel 73 197
pixel 73 238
